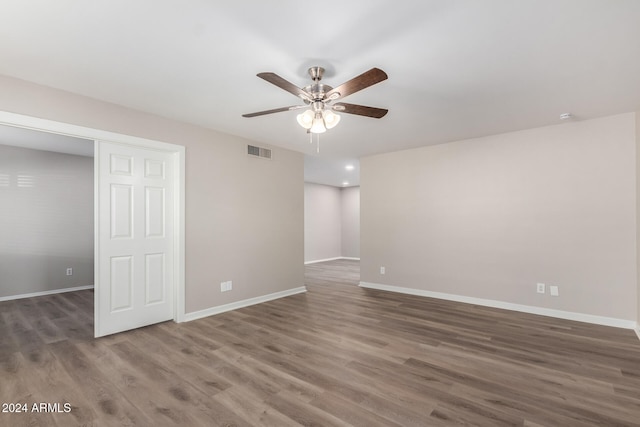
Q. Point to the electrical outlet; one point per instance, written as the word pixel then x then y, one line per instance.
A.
pixel 229 285
pixel 226 286
pixel 69 271
pixel 540 288
pixel 382 270
pixel 553 290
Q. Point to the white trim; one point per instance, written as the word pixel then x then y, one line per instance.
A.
pixel 43 293
pixel 240 304
pixel 34 123
pixel 638 331
pixel 180 257
pixel 331 259
pixel 96 236
pixel 321 260
pixel 568 315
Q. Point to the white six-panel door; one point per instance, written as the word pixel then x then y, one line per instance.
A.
pixel 136 238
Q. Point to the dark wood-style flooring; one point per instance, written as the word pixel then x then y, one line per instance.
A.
pixel 337 355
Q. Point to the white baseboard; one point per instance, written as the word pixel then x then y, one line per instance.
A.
pixel 315 261
pixel 39 294
pixel 568 315
pixel 330 259
pixel 240 304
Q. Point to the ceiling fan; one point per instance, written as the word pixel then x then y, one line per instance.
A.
pixel 318 99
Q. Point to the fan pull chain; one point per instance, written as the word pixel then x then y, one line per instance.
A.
pixel 317 141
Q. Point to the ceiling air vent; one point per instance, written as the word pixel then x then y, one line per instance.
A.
pixel 265 153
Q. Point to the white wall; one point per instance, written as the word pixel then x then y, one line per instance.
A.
pixel 331 222
pixel 46 221
pixel 489 218
pixel 322 222
pixel 350 237
pixel 638 216
pixel 244 216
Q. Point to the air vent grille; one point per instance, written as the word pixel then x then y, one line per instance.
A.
pixel 264 153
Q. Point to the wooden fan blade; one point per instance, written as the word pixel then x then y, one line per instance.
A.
pixel 275 110
pixel 361 110
pixel 363 81
pixel 275 79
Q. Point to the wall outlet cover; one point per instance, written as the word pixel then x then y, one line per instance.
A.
pixel 226 286
pixel 553 290
pixel 540 288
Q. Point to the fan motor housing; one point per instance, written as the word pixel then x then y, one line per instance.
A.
pixel 317 90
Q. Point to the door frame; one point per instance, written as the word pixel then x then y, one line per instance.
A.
pixel 96 135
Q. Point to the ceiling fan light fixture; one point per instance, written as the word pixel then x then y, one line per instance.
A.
pixel 331 119
pixel 306 119
pixel 318 125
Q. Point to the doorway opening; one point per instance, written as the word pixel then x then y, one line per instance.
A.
pixel 47 228
pixel 175 160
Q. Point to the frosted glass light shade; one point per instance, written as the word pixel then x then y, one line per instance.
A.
pixel 330 118
pixel 318 126
pixel 318 121
pixel 306 119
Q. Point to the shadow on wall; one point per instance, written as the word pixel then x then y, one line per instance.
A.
pixel 24 274
pixel 46 221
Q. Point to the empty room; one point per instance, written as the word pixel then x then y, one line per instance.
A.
pixel 363 213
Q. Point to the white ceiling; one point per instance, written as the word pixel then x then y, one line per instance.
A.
pixel 457 68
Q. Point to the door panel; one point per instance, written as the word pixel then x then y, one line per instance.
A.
pixel 121 283
pixel 121 211
pixel 154 278
pixel 136 245
pixel 154 210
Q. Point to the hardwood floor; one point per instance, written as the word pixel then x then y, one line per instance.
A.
pixel 337 355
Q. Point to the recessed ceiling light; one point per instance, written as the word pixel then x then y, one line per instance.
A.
pixel 565 116
pixel 345 183
pixel 349 167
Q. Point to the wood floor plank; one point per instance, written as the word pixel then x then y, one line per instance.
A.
pixel 152 400
pixel 267 374
pixel 336 355
pixel 301 412
pixel 16 388
pixel 185 362
pixel 170 383
pixel 350 413
pixel 48 331
pixel 55 386
pixel 253 408
pixel 112 407
pixel 41 380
